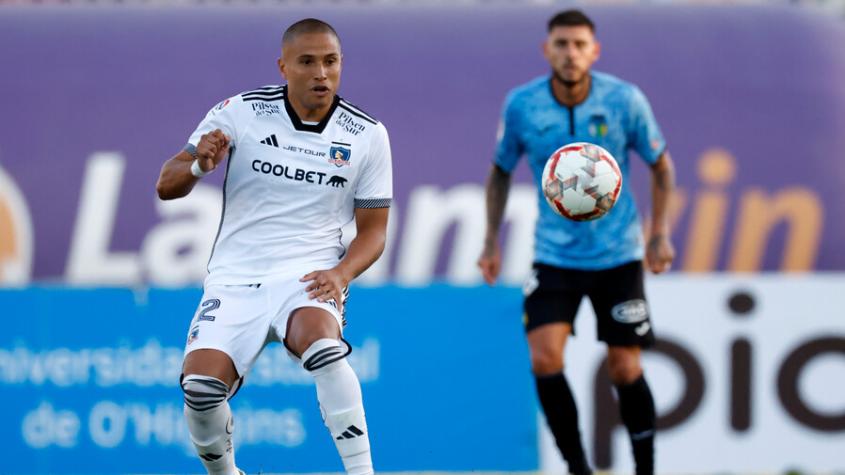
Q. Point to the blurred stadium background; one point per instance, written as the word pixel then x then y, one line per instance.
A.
pixel 100 278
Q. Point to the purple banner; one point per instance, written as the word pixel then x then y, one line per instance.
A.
pixel 751 100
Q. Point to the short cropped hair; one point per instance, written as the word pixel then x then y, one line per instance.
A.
pixel 308 25
pixel 571 18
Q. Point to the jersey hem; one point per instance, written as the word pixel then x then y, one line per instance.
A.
pixel 589 266
pixel 299 269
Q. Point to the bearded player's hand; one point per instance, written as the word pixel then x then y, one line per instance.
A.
pixel 659 254
pixel 490 262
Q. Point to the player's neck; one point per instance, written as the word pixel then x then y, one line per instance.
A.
pixel 571 94
pixel 309 115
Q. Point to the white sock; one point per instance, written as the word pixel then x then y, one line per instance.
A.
pixel 210 422
pixel 339 393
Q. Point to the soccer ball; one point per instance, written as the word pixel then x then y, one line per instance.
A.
pixel 581 181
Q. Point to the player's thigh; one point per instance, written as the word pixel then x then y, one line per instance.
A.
pixel 546 344
pixel 551 295
pixel 214 363
pixel 622 313
pixel 623 363
pixel 306 325
pixel 299 320
pixel 228 331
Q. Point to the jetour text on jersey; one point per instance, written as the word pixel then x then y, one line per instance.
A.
pixel 298 174
pixel 305 151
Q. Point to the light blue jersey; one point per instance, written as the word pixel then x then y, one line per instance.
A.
pixel 617 116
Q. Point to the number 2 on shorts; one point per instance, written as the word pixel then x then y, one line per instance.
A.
pixel 208 305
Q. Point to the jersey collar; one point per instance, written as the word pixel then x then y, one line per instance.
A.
pixel 554 97
pixel 297 123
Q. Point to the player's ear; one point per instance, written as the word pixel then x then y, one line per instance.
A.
pixel 597 53
pixel 281 63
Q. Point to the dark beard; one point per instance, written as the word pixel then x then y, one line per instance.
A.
pixel 566 83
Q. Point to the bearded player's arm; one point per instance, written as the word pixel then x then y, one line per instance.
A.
pixel 496 198
pixel 649 143
pixel 509 150
pixel 659 250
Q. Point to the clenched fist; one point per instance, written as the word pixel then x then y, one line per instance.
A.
pixel 212 149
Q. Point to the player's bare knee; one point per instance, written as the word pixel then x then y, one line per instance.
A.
pixel 211 363
pixel 546 361
pixel 306 326
pixel 623 367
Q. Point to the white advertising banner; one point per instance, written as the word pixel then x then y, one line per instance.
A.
pixel 748 376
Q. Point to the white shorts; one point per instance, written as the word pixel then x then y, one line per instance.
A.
pixel 240 320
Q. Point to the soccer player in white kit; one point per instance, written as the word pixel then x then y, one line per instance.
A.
pixel 300 163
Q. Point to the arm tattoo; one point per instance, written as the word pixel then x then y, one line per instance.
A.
pixel 654 242
pixel 498 186
pixel 663 179
pixel 662 184
pixel 663 173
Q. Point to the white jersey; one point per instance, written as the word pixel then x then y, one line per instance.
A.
pixel 290 186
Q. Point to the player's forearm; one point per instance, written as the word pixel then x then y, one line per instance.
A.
pixel 176 179
pixel 364 250
pixel 498 186
pixel 662 187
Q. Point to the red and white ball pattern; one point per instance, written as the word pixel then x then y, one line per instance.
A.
pixel 581 181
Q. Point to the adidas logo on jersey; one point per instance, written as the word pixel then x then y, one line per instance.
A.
pixel 350 433
pixel 271 141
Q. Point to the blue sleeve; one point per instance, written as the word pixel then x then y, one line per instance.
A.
pixel 644 133
pixel 508 146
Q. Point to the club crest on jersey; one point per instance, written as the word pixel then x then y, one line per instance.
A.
pixel 598 126
pixel 219 107
pixel 192 336
pixel 340 154
pixel 655 144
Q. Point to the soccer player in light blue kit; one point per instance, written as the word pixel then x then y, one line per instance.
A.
pixel 601 259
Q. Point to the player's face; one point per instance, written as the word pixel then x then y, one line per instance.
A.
pixel 311 64
pixel 571 52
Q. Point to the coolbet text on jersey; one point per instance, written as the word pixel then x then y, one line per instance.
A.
pixel 291 184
